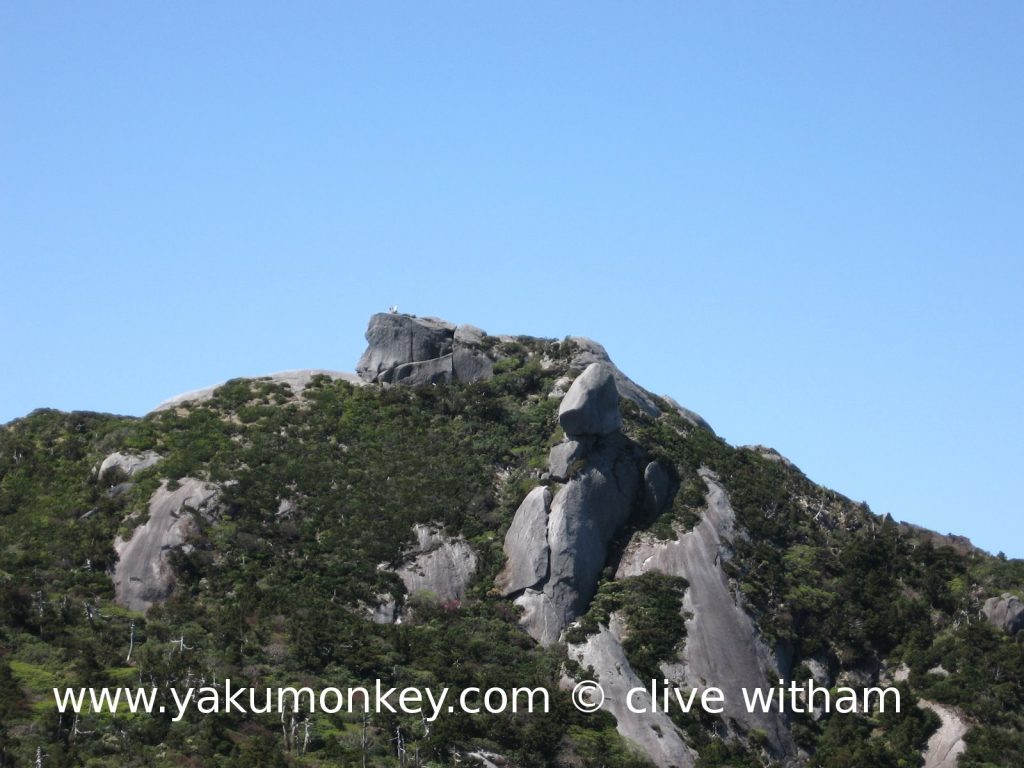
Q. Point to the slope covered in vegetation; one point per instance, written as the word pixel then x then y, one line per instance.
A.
pixel 318 495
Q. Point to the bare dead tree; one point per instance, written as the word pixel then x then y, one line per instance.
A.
pixel 131 642
pixel 364 740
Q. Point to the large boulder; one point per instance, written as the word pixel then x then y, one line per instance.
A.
pixel 422 350
pixel 470 364
pixel 128 463
pixel 526 544
pixel 395 340
pixel 589 352
pixel 591 406
pixel 1005 612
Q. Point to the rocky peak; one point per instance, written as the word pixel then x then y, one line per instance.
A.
pixel 404 349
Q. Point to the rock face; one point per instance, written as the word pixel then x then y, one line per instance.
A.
pixel 591 406
pixel 128 463
pixel 657 484
pixel 143 574
pixel 653 732
pixel 437 564
pixel 585 514
pixel 946 744
pixel 1006 613
pixel 526 544
pixel 422 350
pixel 723 648
pixel 562 457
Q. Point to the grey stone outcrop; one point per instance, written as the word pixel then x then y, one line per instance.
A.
pixel 296 380
pixel 653 732
pixel 128 463
pixel 591 406
pixel 723 647
pixel 396 340
pixel 562 457
pixel 657 485
pixel 526 544
pixel 947 743
pixel 1005 612
pixel 471 365
pixel 585 515
pixel 422 350
pixel 469 335
pixel 438 564
pixel 143 574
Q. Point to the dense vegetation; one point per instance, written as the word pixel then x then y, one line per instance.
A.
pixel 318 489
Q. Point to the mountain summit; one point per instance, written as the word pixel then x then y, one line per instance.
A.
pixel 469 510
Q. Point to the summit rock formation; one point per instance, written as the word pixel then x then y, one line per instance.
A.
pixel 469 508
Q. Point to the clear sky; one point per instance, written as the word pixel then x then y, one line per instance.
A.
pixel 803 220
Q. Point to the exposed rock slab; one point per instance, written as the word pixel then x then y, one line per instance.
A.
pixel 591 406
pixel 417 351
pixel 654 733
pixel 143 575
pixel 297 380
pixel 1005 613
pixel 128 463
pixel 947 744
pixel 722 648
pixel 439 564
pixel 526 544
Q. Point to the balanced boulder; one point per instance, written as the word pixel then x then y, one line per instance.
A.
pixel 591 406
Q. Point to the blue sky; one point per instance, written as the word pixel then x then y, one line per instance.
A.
pixel 803 220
